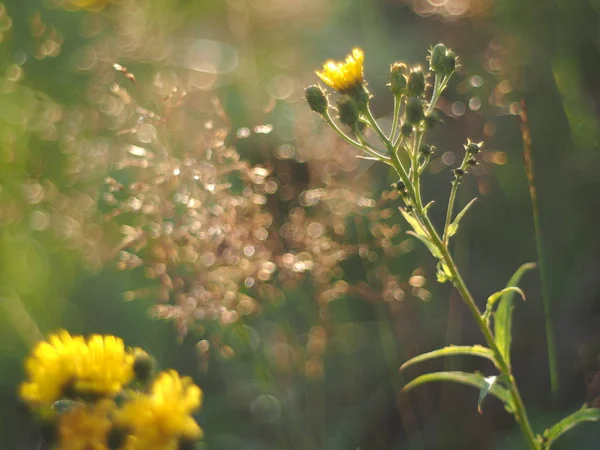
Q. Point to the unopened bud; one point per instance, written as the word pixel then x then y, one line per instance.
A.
pixel 427 149
pixel 347 111
pixel 432 119
pixel 398 80
pixel 473 147
pixel 316 99
pixel 143 366
pixel 416 82
pixel 406 129
pixel 414 111
pixel 436 60
pixel 449 63
pixel 458 173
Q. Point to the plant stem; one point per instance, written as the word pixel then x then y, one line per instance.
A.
pixel 529 170
pixel 461 287
pixel 360 145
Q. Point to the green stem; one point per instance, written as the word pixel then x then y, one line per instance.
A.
pixel 396 117
pixel 461 287
pixel 451 201
pixel 420 214
pixel 360 145
pixel 529 170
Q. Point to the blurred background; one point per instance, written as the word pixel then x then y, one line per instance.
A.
pixel 162 179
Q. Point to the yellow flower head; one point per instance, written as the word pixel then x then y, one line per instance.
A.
pixel 344 77
pixel 85 427
pixel 99 366
pixel 159 419
pixel 90 5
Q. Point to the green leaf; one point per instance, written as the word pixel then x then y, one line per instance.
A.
pixel 492 299
pixel 425 240
pixel 453 228
pixel 413 222
pixel 443 272
pixel 485 390
pixel 475 350
pixel 503 315
pixel 470 379
pixel 582 415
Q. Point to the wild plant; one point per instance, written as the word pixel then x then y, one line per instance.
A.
pixel 406 151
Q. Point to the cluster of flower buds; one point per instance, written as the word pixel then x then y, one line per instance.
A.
pixel 472 149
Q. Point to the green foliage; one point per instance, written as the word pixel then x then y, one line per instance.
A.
pixel 503 315
pixel 484 384
pixel 472 350
pixel 453 228
pixel 580 416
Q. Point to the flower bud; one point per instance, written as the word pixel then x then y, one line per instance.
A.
pixel 186 443
pixel 116 438
pixel 432 119
pixel 416 82
pixel 316 99
pixel 347 111
pixel 473 147
pixel 398 78
pixel 143 366
pixel 458 173
pixel 436 60
pixel 427 149
pixel 406 129
pixel 414 111
pixel 449 63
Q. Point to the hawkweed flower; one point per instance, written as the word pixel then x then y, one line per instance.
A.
pixel 85 426
pixel 161 419
pixel 90 5
pixel 70 365
pixel 347 77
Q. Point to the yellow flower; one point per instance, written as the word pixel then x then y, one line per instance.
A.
pixel 104 367
pixel 344 77
pixel 85 427
pixel 51 367
pixel 90 5
pixel 159 419
pixel 99 366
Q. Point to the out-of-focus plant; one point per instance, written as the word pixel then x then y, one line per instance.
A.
pixel 95 393
pixel 405 150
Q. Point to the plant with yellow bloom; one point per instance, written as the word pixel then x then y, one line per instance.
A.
pixel 346 76
pixel 74 385
pixel 405 150
pixel 161 419
pixel 90 5
pixel 99 366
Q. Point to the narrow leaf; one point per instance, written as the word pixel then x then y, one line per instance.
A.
pixel 489 384
pixel 470 379
pixel 413 222
pixel 503 315
pixel 475 350
pixel 425 240
pixel 492 299
pixel 453 228
pixel 582 415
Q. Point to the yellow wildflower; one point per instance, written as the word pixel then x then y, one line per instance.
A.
pixel 85 427
pixel 104 367
pixel 90 5
pixel 159 419
pixel 51 367
pixel 345 77
pixel 98 366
